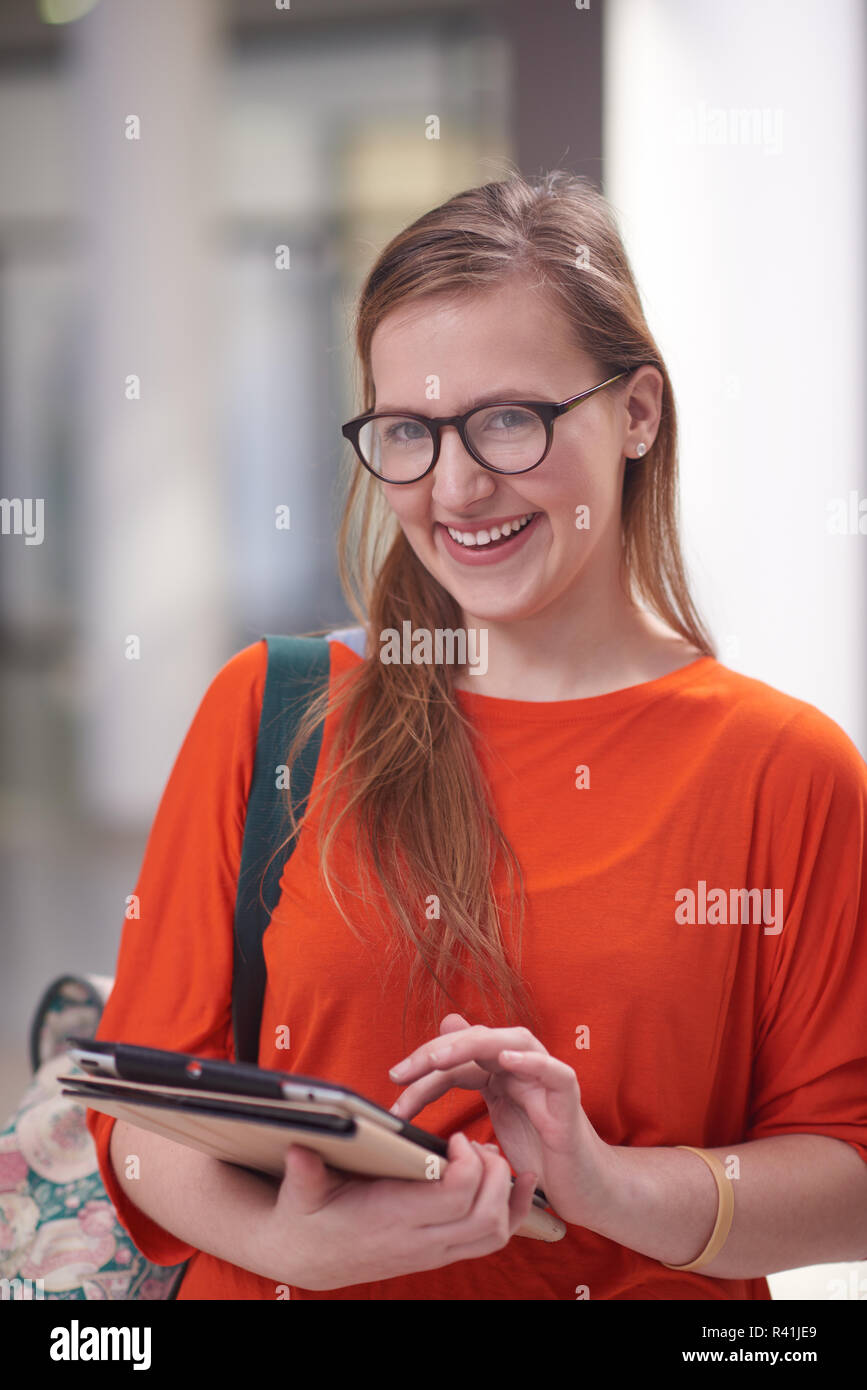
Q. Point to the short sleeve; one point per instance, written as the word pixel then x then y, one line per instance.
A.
pixel 810 1040
pixel 173 979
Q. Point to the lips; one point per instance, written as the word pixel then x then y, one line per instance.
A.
pixel 490 552
pixel 495 544
pixel 504 531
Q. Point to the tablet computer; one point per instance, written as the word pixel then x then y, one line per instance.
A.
pixel 249 1115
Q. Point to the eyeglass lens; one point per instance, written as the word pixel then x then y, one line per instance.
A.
pixel 399 448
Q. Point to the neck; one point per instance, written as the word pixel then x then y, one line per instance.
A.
pixel 571 652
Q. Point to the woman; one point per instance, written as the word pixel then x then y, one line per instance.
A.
pixel 604 895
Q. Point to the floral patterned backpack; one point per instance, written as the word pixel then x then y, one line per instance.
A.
pixel 60 1236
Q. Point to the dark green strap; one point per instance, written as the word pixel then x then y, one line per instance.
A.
pixel 297 670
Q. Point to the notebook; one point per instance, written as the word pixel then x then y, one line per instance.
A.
pixel 249 1115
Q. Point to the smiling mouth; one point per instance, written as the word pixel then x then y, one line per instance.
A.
pixel 484 538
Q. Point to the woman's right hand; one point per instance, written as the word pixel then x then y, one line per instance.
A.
pixel 329 1230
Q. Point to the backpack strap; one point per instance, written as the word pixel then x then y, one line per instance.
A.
pixel 298 669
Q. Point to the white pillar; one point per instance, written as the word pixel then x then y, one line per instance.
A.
pixel 735 153
pixel 155 543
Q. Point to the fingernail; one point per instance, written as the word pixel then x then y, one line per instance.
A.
pixel 399 1070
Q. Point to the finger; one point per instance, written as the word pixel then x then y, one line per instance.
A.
pixel 479 1044
pixel 446 1194
pixel 453 1023
pixel 487 1227
pixel 429 1088
pixel 458 1182
pixel 545 1088
pixel 539 1067
pixel 521 1200
pixel 308 1182
pixel 420 1094
pixel 450 1189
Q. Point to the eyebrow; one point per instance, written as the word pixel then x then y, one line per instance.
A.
pixel 504 394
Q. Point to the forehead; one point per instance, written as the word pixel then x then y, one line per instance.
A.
pixel 512 331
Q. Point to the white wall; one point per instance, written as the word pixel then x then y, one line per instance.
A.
pixel 746 233
pixel 735 155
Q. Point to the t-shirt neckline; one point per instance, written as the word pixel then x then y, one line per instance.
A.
pixel 589 706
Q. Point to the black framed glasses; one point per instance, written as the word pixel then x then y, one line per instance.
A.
pixel 503 436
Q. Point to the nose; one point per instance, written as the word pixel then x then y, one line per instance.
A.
pixel 458 479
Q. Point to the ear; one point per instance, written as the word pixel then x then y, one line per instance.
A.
pixel 644 406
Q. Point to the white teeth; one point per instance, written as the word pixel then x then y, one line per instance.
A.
pixel 485 537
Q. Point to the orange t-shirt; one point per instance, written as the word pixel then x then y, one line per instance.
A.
pixel 700 1032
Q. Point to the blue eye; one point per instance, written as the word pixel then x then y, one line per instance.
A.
pixel 392 437
pixel 507 418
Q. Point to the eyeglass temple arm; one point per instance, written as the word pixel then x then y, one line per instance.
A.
pixel 570 404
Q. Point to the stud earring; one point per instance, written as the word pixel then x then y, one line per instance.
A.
pixel 641 450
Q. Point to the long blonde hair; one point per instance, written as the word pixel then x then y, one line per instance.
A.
pixel 401 762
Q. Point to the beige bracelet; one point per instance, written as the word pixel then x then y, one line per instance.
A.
pixel 725 1210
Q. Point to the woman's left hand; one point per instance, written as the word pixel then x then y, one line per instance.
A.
pixel 534 1102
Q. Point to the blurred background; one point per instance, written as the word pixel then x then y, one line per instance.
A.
pixel 171 384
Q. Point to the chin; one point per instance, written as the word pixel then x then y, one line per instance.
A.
pixel 492 607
